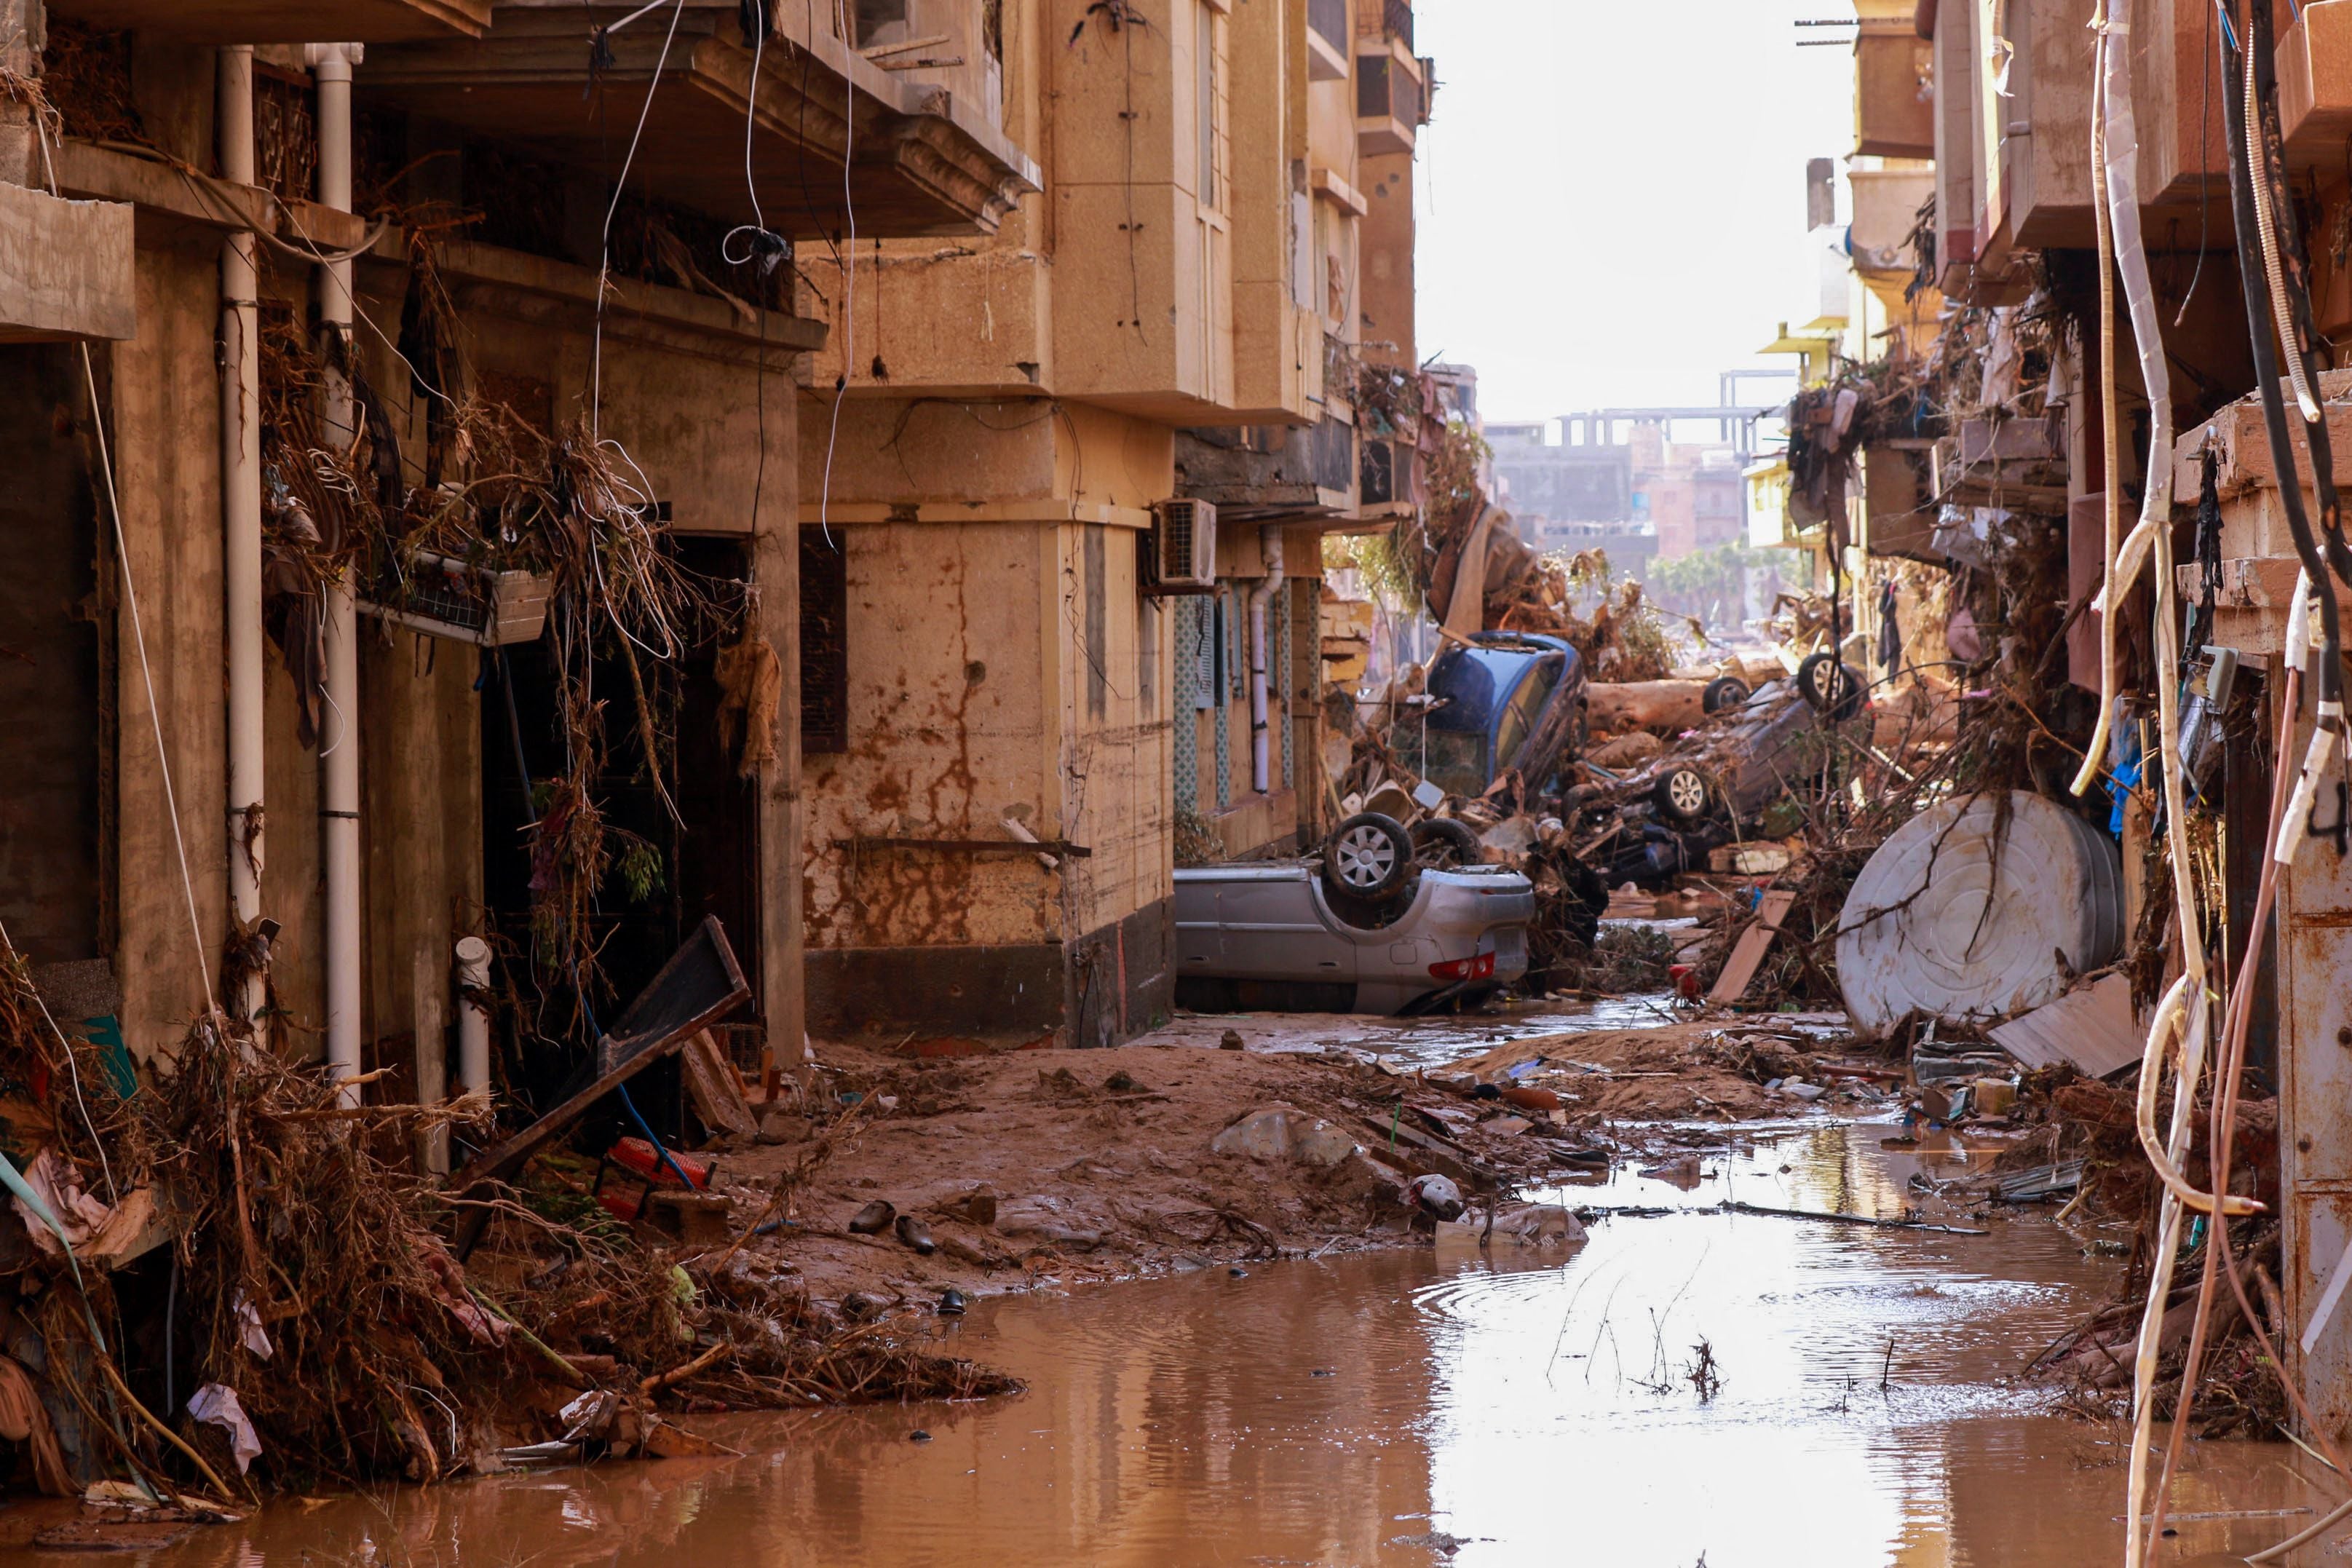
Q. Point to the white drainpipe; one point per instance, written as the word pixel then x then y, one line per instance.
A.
pixel 339 763
pixel 240 423
pixel 473 1023
pixel 1270 547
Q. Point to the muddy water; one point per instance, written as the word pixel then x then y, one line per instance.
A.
pixel 1416 1042
pixel 1536 1409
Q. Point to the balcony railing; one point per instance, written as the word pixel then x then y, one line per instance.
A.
pixel 1396 17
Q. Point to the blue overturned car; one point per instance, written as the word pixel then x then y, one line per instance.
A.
pixel 1503 701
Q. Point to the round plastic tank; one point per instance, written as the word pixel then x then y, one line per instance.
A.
pixel 1960 915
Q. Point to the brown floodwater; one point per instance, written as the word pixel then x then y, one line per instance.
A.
pixel 1360 1410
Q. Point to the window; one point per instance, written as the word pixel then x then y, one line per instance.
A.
pixel 1520 717
pixel 1205 56
pixel 825 643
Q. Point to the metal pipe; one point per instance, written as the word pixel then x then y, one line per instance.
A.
pixel 339 755
pixel 473 1019
pixel 1261 763
pixel 240 428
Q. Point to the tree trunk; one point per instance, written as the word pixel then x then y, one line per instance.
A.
pixel 1662 705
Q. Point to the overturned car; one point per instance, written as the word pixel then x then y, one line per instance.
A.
pixel 1363 928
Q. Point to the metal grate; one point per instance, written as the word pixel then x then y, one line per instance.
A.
pixel 1285 682
pixel 825 643
pixel 1221 716
pixel 1189 615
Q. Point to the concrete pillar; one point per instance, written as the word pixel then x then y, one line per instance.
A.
pixel 23 32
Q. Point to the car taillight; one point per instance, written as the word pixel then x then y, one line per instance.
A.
pixel 1475 968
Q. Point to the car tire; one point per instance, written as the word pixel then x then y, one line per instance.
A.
pixel 1681 794
pixel 1443 843
pixel 1368 857
pixel 1724 691
pixel 1830 686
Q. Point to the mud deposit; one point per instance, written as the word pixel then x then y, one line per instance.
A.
pixel 1430 1407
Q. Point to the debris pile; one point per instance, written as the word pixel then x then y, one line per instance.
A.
pixel 225 1282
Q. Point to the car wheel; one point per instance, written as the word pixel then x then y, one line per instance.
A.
pixel 1443 843
pixel 1830 686
pixel 1724 691
pixel 1680 795
pixel 1368 856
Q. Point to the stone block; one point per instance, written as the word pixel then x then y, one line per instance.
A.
pixel 65 269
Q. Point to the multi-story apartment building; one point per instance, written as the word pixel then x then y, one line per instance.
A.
pixel 987 442
pixel 533 263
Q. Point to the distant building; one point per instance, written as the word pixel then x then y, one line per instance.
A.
pixel 1638 499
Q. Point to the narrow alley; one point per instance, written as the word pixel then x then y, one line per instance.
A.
pixel 1175 782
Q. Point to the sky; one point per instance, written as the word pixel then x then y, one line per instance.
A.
pixel 1612 195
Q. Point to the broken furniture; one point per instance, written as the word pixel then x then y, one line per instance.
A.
pixel 700 984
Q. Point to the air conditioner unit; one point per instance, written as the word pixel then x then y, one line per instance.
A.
pixel 1185 547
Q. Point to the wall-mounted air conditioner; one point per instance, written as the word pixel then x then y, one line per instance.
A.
pixel 1183 547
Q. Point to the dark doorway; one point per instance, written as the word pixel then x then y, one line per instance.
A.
pixel 58 785
pixel 665 872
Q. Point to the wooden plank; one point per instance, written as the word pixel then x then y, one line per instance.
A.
pixel 716 1091
pixel 2091 1030
pixel 1747 953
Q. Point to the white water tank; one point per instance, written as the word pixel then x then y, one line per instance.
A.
pixel 1966 908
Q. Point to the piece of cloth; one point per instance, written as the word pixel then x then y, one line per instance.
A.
pixel 65 1216
pixel 216 1405
pixel 751 684
pixel 23 1420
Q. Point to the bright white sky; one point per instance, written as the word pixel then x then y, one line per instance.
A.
pixel 1612 195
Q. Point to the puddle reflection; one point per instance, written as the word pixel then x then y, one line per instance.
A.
pixel 1537 1407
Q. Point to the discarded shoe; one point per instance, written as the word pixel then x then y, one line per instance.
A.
pixel 914 1232
pixel 1238 1272
pixel 918 1435
pixel 874 1218
pixel 952 1303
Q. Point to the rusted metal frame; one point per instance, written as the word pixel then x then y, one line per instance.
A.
pixel 968 846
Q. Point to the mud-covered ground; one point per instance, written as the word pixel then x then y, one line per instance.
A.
pixel 1100 1163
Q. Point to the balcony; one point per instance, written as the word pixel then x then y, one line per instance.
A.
pixel 2315 76
pixel 1895 91
pixel 1886 204
pixel 919 160
pixel 1327 40
pixel 1266 473
pixel 1391 101
pixel 284 21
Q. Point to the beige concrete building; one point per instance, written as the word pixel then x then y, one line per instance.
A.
pixel 985 445
pixel 569 234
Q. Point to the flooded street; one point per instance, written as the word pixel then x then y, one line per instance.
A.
pixel 1379 1408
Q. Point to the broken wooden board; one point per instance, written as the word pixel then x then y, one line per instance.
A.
pixel 1747 953
pixel 2093 1030
pixel 700 984
pixel 712 1084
